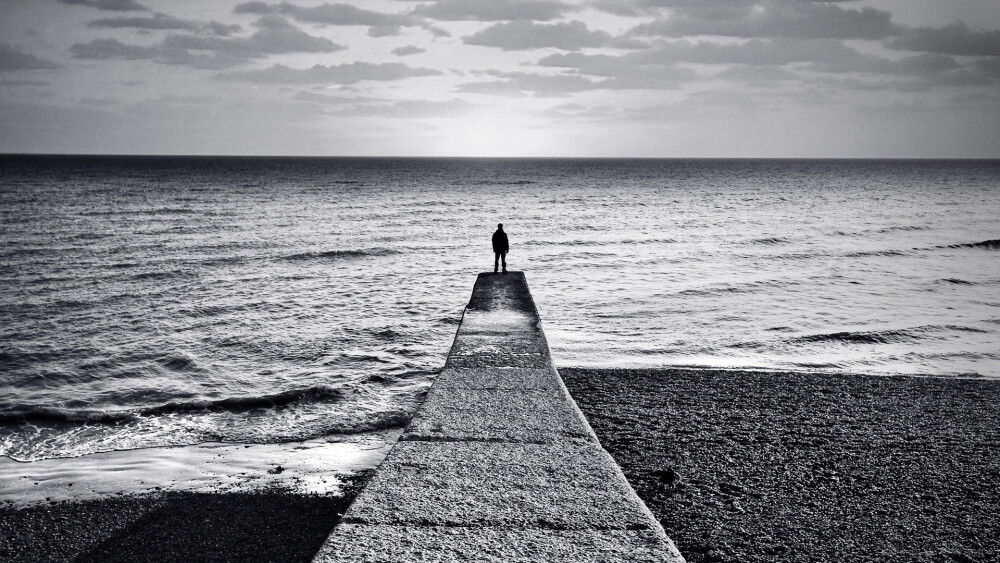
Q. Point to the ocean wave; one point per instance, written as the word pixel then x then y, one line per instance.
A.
pixel 817 365
pixel 559 243
pixel 165 211
pixel 958 281
pixel 882 230
pixel 580 242
pixel 504 183
pixel 88 236
pixel 795 256
pixel 901 228
pixel 179 363
pixel 867 253
pixel 28 251
pixel 162 275
pixel 749 287
pixel 768 241
pixel 958 328
pixel 338 254
pixel 993 244
pixel 646 241
pixel 222 261
pixel 52 279
pixel 39 413
pixel 858 337
pixel 889 336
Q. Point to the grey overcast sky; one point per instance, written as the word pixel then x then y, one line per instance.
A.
pixel 615 78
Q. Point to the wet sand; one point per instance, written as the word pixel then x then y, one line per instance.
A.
pixel 271 525
pixel 752 467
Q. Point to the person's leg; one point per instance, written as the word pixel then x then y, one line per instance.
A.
pixel 503 258
pixel 496 262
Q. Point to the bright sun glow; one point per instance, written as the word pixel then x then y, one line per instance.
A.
pixel 495 131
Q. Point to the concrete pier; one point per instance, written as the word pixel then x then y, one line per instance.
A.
pixel 498 464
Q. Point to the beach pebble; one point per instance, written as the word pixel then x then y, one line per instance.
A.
pixel 853 467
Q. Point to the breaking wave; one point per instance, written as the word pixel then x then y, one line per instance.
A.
pixel 314 394
pixel 859 337
pixel 993 244
pixel 891 336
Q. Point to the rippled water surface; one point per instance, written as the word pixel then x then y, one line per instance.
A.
pixel 159 301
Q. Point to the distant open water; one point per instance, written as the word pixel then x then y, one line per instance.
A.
pixel 174 300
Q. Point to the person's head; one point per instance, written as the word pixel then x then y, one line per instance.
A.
pixel 500 226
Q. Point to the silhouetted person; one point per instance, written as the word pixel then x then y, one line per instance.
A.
pixel 500 248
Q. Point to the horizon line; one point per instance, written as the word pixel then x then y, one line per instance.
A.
pixel 460 157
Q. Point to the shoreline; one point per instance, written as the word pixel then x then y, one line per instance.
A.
pixel 309 466
pixel 759 370
pixel 789 466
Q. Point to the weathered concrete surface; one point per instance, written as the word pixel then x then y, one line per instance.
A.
pixel 500 485
pixel 496 378
pixel 498 464
pixel 536 416
pixel 382 544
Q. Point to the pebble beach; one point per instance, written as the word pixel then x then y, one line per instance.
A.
pixel 744 466
pixel 273 525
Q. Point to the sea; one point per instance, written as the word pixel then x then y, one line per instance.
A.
pixel 156 302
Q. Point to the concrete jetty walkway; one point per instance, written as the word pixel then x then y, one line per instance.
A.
pixel 498 464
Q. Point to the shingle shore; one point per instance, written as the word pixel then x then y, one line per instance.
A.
pixel 268 525
pixel 498 464
pixel 756 467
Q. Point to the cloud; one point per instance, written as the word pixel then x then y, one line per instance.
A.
pixel 380 24
pixel 274 35
pixel 102 49
pixel 110 5
pixel 407 50
pixel 826 56
pixel 771 18
pixel 925 64
pixel 164 21
pixel 494 10
pixel 378 107
pixel 330 14
pixel 13 59
pixel 336 74
pixel 384 30
pixel 753 52
pixel 955 39
pixel 659 66
pixel 525 83
pixel 578 111
pixel 757 74
pixel 524 35
pixel 654 78
pixel 315 98
pixel 410 109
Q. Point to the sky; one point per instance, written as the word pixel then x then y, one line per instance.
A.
pixel 536 78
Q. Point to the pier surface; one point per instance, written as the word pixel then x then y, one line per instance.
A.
pixel 498 464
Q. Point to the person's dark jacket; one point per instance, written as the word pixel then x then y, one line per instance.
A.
pixel 500 244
